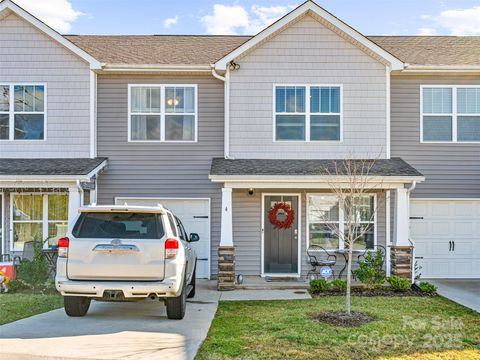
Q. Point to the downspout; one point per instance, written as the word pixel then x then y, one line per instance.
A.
pixel 80 190
pixel 226 139
pixel 409 190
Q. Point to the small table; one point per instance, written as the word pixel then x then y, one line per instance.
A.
pixel 51 257
pixel 344 252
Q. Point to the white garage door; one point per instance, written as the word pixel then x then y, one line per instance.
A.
pixel 447 237
pixel 195 216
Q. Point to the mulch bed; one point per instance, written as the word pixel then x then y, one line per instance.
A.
pixel 340 318
pixel 382 291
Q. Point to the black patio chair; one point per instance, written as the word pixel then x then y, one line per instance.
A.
pixel 317 257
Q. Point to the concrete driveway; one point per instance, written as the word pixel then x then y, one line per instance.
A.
pixel 113 331
pixel 464 292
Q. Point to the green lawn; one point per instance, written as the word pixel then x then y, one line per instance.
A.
pixel 18 306
pixel 406 328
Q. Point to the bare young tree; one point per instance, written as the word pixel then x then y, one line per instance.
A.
pixel 350 182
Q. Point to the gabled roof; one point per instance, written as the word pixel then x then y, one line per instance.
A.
pixel 8 5
pixel 311 7
pixel 200 50
pixel 433 50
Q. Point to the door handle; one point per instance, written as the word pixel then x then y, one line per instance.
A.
pixel 450 245
pixel 453 243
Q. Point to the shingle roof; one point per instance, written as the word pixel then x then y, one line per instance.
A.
pixel 207 49
pixel 281 167
pixel 158 49
pixel 432 50
pixel 77 166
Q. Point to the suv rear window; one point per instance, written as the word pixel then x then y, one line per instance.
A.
pixel 122 225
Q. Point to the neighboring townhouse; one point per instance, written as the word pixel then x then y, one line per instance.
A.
pixel 222 128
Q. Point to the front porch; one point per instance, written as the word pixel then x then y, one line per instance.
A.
pixel 39 199
pixel 251 246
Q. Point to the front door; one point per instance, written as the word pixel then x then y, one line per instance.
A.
pixel 280 246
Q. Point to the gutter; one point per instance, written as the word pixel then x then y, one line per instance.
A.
pixel 153 68
pixel 226 133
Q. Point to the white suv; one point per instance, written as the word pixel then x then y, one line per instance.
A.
pixel 125 253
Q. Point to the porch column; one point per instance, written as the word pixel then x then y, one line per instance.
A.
pixel 74 203
pixel 402 249
pixel 226 251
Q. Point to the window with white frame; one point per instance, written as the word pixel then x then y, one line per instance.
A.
pixel 450 114
pixel 24 117
pixel 38 217
pixel 308 113
pixel 327 218
pixel 163 113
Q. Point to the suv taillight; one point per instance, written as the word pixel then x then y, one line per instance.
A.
pixel 63 247
pixel 171 248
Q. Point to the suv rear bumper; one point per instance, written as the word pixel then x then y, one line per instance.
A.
pixel 130 289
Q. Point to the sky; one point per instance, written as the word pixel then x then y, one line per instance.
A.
pixel 370 17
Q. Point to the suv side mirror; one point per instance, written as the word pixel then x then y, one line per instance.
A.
pixel 194 237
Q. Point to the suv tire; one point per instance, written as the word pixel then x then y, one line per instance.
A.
pixel 191 294
pixel 76 306
pixel 176 305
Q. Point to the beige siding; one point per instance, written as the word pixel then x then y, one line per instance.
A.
pixel 29 56
pixel 307 53
pixel 247 229
pixel 451 170
pixel 174 170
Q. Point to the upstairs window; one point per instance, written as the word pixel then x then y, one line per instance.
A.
pixel 163 113
pixel 308 113
pixel 450 114
pixel 22 112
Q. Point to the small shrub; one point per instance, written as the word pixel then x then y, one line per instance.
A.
pixel 16 285
pixel 339 284
pixel 34 274
pixel 427 288
pixel 370 271
pixel 319 285
pixel 399 284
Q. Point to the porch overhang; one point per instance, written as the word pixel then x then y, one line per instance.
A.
pixel 49 173
pixel 309 174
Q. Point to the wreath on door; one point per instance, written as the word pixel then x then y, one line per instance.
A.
pixel 281 216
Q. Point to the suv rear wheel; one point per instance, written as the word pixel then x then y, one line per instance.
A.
pixel 76 305
pixel 176 305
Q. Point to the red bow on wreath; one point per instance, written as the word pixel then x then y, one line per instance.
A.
pixel 273 216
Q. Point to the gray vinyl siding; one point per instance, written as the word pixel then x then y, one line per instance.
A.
pixel 247 229
pixel 29 56
pixel 451 170
pixel 160 169
pixel 307 53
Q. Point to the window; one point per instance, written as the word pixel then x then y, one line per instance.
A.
pixel 163 113
pixel 120 225
pixel 24 117
pixel 38 217
pixel 327 218
pixel 450 114
pixel 308 113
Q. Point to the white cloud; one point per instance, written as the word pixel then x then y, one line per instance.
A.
pixel 235 19
pixel 59 14
pixel 460 21
pixel 427 31
pixel 167 23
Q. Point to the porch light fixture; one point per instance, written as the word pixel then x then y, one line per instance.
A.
pixel 250 191
pixel 233 65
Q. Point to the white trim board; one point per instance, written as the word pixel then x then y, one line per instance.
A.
pixel 307 6
pixel 19 11
pixel 299 236
pixel 209 200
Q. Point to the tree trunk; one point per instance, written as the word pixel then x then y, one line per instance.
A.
pixel 349 279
